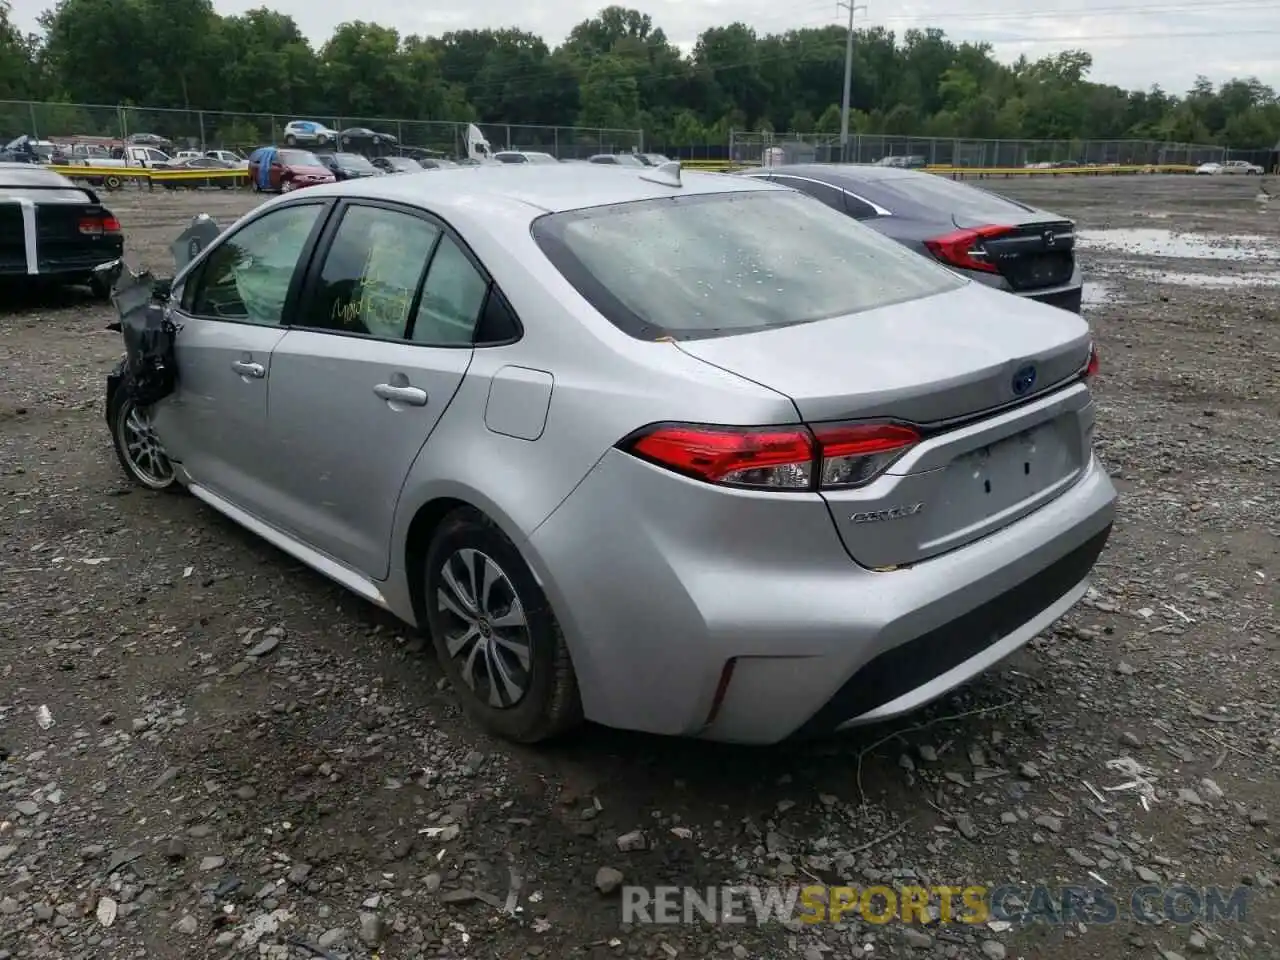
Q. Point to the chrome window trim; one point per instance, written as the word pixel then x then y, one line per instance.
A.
pixel 879 210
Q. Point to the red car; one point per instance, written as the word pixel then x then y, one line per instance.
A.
pixel 285 170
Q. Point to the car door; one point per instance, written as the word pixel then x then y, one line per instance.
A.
pixel 231 311
pixel 381 344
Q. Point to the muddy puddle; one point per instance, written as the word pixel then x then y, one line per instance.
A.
pixel 1156 242
pixel 1096 293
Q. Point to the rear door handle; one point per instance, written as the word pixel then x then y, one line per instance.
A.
pixel 248 369
pixel 409 396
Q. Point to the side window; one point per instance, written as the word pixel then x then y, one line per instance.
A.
pixel 371 273
pixel 498 323
pixel 857 208
pixel 831 196
pixel 247 276
pixel 451 298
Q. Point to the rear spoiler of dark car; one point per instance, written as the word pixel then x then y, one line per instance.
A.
pixel 69 185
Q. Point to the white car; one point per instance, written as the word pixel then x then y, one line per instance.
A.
pixel 1230 167
pixel 228 156
pixel 308 132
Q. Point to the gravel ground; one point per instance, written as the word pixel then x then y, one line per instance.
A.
pixel 324 797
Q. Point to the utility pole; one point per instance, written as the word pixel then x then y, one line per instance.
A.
pixel 853 7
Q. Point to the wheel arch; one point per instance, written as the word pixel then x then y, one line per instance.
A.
pixel 423 516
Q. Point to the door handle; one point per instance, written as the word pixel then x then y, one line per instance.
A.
pixel 409 396
pixel 247 369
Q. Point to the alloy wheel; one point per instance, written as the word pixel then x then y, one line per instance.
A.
pixel 143 453
pixel 487 632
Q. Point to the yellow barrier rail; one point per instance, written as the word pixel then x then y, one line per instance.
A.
pixel 114 176
pixel 721 166
pixel 1060 171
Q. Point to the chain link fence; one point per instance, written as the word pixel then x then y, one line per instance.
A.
pixel 211 129
pixel 749 148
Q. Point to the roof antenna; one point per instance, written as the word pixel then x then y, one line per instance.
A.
pixel 664 174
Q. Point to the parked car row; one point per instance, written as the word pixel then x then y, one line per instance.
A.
pixel 284 170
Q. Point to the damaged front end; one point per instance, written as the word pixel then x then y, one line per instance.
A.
pixel 148 369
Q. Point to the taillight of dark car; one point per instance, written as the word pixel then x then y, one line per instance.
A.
pixel 963 248
pixel 799 458
pixel 1094 365
pixel 98 225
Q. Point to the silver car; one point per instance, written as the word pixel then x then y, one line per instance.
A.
pixel 683 453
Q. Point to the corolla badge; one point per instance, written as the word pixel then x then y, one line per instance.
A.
pixel 1023 380
pixel 893 513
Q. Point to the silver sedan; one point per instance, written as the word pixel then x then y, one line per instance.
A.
pixel 677 452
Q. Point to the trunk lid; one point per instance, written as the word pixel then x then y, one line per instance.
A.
pixel 1035 251
pixel 937 359
pixel 934 362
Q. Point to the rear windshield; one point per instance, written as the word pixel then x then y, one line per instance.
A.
pixel 718 264
pixel 966 203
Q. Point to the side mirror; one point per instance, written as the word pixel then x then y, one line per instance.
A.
pixel 161 289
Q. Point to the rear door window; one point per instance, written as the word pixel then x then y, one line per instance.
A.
pixel 706 265
pixel 371 273
pixel 452 298
pixel 858 209
pixel 968 204
pixel 833 197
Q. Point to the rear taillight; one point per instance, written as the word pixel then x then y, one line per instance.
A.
pixel 964 248
pixel 775 458
pixel 1094 365
pixel 97 226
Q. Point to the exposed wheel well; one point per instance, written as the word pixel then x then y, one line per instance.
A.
pixel 421 529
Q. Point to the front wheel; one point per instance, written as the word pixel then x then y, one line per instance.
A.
pixel 290 140
pixel 137 447
pixel 497 639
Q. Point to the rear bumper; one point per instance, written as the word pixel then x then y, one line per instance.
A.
pixel 664 586
pixel 1067 296
pixel 1069 299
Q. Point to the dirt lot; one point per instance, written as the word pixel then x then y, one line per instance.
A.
pixel 327 799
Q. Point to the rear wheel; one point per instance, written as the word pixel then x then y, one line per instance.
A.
pixel 496 636
pixel 137 447
pixel 290 140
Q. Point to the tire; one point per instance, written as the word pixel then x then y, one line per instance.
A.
pixel 545 702
pixel 122 414
pixel 112 182
pixel 322 139
pixel 290 140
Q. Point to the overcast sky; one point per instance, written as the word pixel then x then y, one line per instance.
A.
pixel 1135 43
